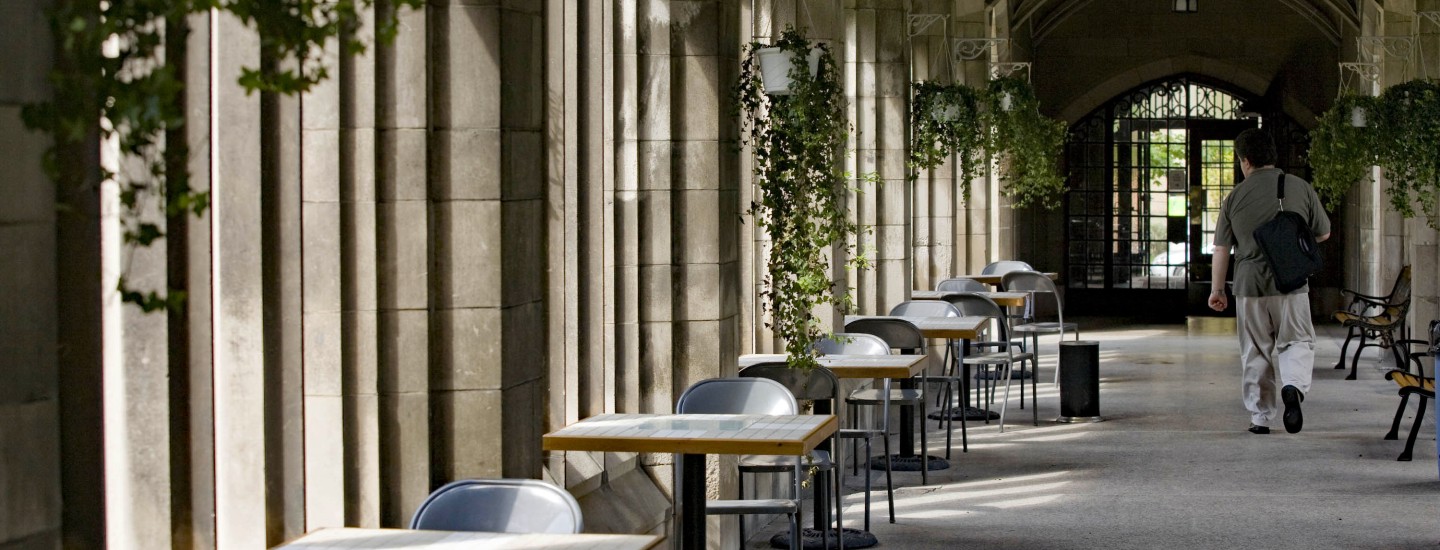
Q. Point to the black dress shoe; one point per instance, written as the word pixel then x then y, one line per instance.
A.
pixel 1293 419
pixel 1258 429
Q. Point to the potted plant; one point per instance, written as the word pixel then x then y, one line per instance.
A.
pixel 1029 143
pixel 1407 146
pixel 945 120
pixel 1340 151
pixel 797 139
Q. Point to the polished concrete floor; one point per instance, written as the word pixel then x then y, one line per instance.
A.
pixel 1173 466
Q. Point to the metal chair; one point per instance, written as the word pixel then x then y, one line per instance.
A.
pixel 979 305
pixel 819 386
pixel 1005 357
pixel 961 284
pixel 499 506
pixel 1038 285
pixel 1005 266
pixel 904 336
pixel 748 396
pixel 950 376
pixel 1375 319
pixel 865 344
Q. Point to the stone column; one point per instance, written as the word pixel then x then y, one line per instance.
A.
pixel 488 234
pixel 240 512
pixel 878 84
pixel 403 220
pixel 321 308
pixel 30 457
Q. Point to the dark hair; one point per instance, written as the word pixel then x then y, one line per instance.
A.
pixel 1255 146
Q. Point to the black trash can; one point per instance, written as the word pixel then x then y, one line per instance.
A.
pixel 1079 382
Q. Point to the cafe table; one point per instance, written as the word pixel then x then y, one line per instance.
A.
pixel 959 328
pixel 994 279
pixel 690 437
pixel 1003 299
pixel 348 538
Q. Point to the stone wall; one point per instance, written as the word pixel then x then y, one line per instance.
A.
pixel 30 515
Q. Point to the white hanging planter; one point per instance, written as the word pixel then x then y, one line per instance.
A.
pixel 1007 102
pixel 945 113
pixel 775 69
pixel 1358 117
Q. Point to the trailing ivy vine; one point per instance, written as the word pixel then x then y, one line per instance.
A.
pixel 1029 143
pixel 946 120
pixel 796 140
pixel 1402 137
pixel 1340 152
pixel 116 81
pixel 1407 135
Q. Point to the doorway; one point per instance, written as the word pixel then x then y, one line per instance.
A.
pixel 1148 171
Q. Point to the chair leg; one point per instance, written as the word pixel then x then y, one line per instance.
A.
pixel 839 527
pixel 889 481
pixel 740 481
pixel 854 445
pixel 1414 431
pixel 924 447
pixel 947 420
pixel 1034 396
pixel 1006 400
pixel 868 486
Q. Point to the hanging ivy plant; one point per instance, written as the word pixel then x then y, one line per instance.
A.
pixel 945 121
pixel 1407 143
pixel 112 66
pixel 796 140
pixel 1029 143
pixel 1342 152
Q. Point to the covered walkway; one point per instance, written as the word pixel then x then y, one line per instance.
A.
pixel 1174 467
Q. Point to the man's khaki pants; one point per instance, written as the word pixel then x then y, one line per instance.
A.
pixel 1275 335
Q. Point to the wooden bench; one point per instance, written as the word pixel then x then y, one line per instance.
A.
pixel 1409 383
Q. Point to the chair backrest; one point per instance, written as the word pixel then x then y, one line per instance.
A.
pixel 1005 266
pixel 961 284
pixel 971 304
pixel 1039 286
pixel 499 506
pixel 737 396
pixel 817 384
pixel 897 333
pixel 925 308
pixel 850 343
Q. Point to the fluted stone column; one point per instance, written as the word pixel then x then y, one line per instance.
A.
pixel 488 234
pixel 404 251
pixel 877 83
pixel 321 228
pixel 240 508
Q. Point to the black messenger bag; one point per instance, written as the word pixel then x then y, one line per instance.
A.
pixel 1288 245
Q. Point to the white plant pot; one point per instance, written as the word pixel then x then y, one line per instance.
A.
pixel 775 69
pixel 1357 117
pixel 945 113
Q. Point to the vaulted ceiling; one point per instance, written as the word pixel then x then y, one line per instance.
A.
pixel 1332 18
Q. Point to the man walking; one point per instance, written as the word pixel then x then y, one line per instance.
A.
pixel 1276 336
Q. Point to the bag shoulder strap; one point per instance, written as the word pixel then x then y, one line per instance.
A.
pixel 1280 189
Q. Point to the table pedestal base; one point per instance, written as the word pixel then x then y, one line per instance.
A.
pixel 909 463
pixel 814 539
pixel 971 413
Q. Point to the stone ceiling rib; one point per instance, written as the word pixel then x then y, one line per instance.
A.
pixel 1331 17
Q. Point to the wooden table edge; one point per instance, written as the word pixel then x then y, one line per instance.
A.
pixel 551 442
